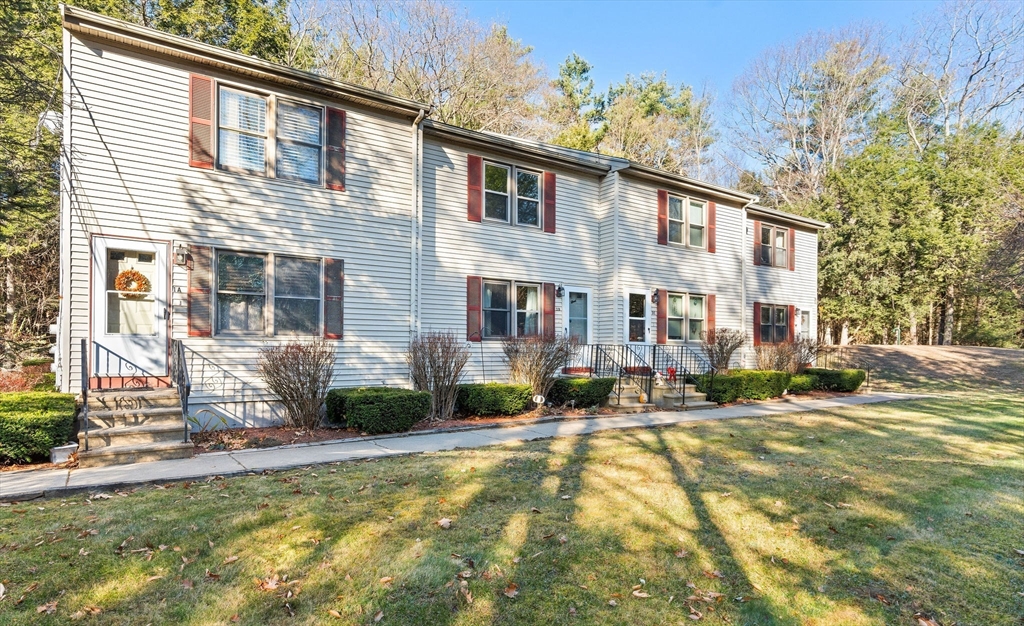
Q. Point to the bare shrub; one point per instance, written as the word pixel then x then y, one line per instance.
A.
pixel 300 374
pixel 534 360
pixel 436 362
pixel 805 353
pixel 776 356
pixel 718 346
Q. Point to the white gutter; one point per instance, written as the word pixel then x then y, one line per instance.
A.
pixel 744 249
pixel 416 226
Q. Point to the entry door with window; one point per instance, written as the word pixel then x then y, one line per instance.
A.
pixel 576 309
pixel 637 330
pixel 129 308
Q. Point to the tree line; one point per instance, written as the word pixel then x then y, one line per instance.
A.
pixel 909 144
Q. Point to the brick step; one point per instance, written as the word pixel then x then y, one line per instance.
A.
pixel 132 436
pixel 132 399
pixel 138 453
pixel 130 418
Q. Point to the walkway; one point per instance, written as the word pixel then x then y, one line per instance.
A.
pixel 36 483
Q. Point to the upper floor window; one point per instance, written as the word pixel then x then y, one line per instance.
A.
pixel 686 315
pixel 509 190
pixel 687 221
pixel 291 148
pixel 773 246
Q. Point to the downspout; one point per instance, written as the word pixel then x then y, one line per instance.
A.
pixel 744 248
pixel 415 270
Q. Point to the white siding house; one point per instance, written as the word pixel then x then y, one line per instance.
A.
pixel 230 204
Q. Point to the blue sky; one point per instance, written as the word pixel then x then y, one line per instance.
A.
pixel 691 41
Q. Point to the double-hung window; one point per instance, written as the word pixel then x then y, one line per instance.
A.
pixel 269 136
pixel 687 221
pixel 512 195
pixel 242 133
pixel 260 292
pixel 774 323
pixel 505 315
pixel 773 248
pixel 527 309
pixel 497 309
pixel 686 315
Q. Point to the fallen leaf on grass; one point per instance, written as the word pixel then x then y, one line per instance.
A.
pixel 155 577
pixel 534 510
pixel 511 591
pixel 334 613
pixel 445 523
pixel 1020 552
pixel 612 602
pixel 268 584
pixel 379 615
pixel 681 553
pixel 230 559
pixel 86 611
pixel 714 574
pixel 386 580
pixel 49 608
pixel 212 576
pixel 187 584
pixel 637 593
pixel 923 620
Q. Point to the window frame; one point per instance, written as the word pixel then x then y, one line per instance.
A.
pixel 686 318
pixel 513 308
pixel 685 224
pixel 773 310
pixel 773 249
pixel 512 196
pixel 538 311
pixel 271 138
pixel 269 294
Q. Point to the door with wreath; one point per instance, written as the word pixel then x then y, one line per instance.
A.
pixel 130 309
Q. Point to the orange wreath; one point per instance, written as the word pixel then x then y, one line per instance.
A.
pixel 133 281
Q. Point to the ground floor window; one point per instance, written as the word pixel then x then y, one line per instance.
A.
pixel 503 315
pixel 268 294
pixel 686 313
pixel 774 323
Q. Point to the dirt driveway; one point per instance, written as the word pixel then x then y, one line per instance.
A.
pixel 935 368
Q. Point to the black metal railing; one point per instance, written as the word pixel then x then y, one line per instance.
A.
pixel 680 365
pixel 181 380
pixel 85 391
pixel 624 364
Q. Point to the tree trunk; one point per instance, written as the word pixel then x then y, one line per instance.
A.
pixel 844 335
pixel 947 317
pixel 912 339
pixel 931 323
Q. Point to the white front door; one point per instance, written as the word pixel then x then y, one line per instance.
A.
pixel 129 307
pixel 637 315
pixel 577 308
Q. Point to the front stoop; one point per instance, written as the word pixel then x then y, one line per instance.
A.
pixel 133 426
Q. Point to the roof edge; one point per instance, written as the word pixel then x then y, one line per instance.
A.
pixel 763 211
pixel 654 174
pixel 100 26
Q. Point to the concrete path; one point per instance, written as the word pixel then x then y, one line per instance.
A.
pixel 36 483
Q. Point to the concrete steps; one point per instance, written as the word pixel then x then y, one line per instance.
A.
pixel 133 426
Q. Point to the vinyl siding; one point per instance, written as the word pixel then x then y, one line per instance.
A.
pixel 130 178
pixel 454 247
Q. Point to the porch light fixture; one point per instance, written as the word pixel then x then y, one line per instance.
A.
pixel 654 296
pixel 181 255
pixel 559 291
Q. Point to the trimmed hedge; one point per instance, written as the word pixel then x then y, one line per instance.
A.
pixel 803 383
pixel 746 384
pixel 33 422
pixel 47 383
pixel 377 410
pixel 494 399
pixel 586 392
pixel 838 380
pixel 37 362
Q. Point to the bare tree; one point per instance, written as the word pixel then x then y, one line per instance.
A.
pixel 300 374
pixel 800 109
pixel 436 361
pixel 535 360
pixel 718 346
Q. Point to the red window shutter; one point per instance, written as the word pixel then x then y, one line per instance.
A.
pixel 549 202
pixel 200 121
pixel 200 307
pixel 757 243
pixel 792 324
pixel 662 217
pixel 547 322
pixel 757 323
pixel 334 177
pixel 474 312
pixel 792 249
pixel 334 298
pixel 711 316
pixel 662 316
pixel 475 188
pixel 712 216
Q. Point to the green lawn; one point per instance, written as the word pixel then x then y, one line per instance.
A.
pixel 864 515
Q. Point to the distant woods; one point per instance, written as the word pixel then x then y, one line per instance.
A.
pixel 908 143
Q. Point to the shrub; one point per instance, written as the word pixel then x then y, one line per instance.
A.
pixel 534 359
pixel 47 382
pixel 838 380
pixel 378 410
pixel 718 346
pixel 494 399
pixel 746 384
pixel 803 383
pixel 582 392
pixel 36 362
pixel 436 361
pixel 776 357
pixel 33 422
pixel 300 375
pixel 805 354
